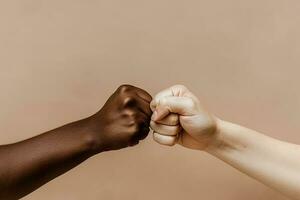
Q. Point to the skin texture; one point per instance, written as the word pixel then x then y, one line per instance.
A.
pixel 272 162
pixel 178 117
pixel 122 122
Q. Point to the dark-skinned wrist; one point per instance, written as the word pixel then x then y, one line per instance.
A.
pixel 83 137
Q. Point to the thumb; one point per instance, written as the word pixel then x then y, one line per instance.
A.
pixel 173 104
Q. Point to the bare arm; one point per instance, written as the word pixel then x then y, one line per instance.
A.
pixel 27 165
pixel 270 161
pixel 273 162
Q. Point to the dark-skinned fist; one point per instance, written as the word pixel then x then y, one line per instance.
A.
pixel 123 121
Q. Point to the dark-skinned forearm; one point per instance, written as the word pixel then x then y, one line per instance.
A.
pixel 27 165
pixel 122 122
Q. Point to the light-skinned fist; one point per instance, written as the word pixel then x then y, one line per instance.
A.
pixel 178 117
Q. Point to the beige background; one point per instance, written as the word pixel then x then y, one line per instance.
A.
pixel 61 59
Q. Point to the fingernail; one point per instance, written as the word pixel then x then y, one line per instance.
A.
pixel 154 116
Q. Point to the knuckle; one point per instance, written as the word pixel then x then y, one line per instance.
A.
pixel 153 125
pixel 164 140
pixel 163 102
pixel 153 105
pixel 128 101
pixel 132 115
pixel 180 86
pixel 190 103
pixel 125 88
pixel 156 96
pixel 131 123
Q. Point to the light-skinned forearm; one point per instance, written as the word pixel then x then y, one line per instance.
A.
pixel 270 161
